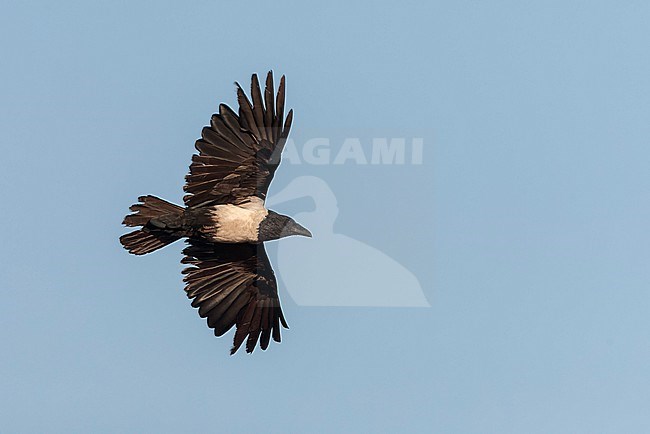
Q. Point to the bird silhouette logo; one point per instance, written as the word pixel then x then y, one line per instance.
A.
pixel 334 269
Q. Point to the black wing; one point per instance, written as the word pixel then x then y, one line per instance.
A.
pixel 234 284
pixel 239 152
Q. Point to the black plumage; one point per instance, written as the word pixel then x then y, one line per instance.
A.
pixel 238 154
pixel 231 283
pixel 234 284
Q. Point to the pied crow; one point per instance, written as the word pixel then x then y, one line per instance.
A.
pixel 224 220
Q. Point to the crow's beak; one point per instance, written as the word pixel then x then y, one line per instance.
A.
pixel 295 229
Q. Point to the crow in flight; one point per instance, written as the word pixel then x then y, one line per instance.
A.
pixel 229 278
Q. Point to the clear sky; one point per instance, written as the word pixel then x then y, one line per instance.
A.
pixel 527 224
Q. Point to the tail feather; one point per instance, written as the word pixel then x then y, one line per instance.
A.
pixel 161 223
pixel 151 207
pixel 141 242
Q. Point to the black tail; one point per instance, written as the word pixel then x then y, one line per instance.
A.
pixel 161 221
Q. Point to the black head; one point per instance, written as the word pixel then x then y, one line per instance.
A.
pixel 275 226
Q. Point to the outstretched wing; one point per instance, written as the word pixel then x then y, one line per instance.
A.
pixel 234 285
pixel 239 152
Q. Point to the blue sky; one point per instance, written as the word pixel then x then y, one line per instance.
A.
pixel 526 223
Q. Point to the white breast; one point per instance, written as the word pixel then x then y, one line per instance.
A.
pixel 238 223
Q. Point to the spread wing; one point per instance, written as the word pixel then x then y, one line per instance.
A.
pixel 234 285
pixel 239 152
